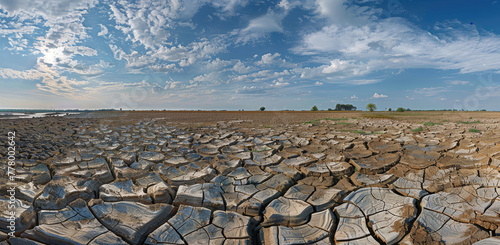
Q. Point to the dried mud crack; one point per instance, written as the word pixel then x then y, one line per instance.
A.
pixel 105 181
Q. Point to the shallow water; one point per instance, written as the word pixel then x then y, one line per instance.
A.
pixel 19 115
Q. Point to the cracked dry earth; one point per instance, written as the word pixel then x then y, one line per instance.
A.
pixel 149 182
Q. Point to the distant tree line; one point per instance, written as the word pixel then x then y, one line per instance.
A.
pixel 370 107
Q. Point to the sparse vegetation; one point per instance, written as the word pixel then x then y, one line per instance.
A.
pixel 470 122
pixel 334 119
pixel 259 150
pixel 314 108
pixel 262 108
pixel 473 130
pixel 432 124
pixel 359 132
pixel 362 132
pixel 418 129
pixel 371 107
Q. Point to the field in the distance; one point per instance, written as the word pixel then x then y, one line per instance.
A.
pixel 272 118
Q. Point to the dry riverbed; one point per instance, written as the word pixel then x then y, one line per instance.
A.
pixel 253 178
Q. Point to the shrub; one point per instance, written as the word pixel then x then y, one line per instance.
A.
pixel 400 109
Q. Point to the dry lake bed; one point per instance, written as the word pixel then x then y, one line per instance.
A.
pixel 251 178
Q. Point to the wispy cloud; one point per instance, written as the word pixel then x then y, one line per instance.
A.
pixel 458 82
pixel 431 91
pixel 260 27
pixel 374 44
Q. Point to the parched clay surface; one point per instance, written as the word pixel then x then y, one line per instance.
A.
pixel 153 182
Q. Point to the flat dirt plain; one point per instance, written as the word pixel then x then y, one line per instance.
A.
pixel 222 177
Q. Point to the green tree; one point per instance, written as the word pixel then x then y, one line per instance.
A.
pixel 350 107
pixel 315 108
pixel 343 107
pixel 390 109
pixel 371 107
pixel 330 109
pixel 262 108
pixel 400 109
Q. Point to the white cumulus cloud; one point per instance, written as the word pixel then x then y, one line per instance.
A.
pixel 378 96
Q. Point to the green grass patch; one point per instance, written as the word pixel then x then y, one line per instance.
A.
pixel 378 116
pixel 359 132
pixel 432 124
pixel 418 129
pixel 362 132
pixel 267 126
pixel 265 149
pixel 469 122
pixel 473 130
pixel 342 123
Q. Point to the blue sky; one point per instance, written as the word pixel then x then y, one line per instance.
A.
pixel 241 54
